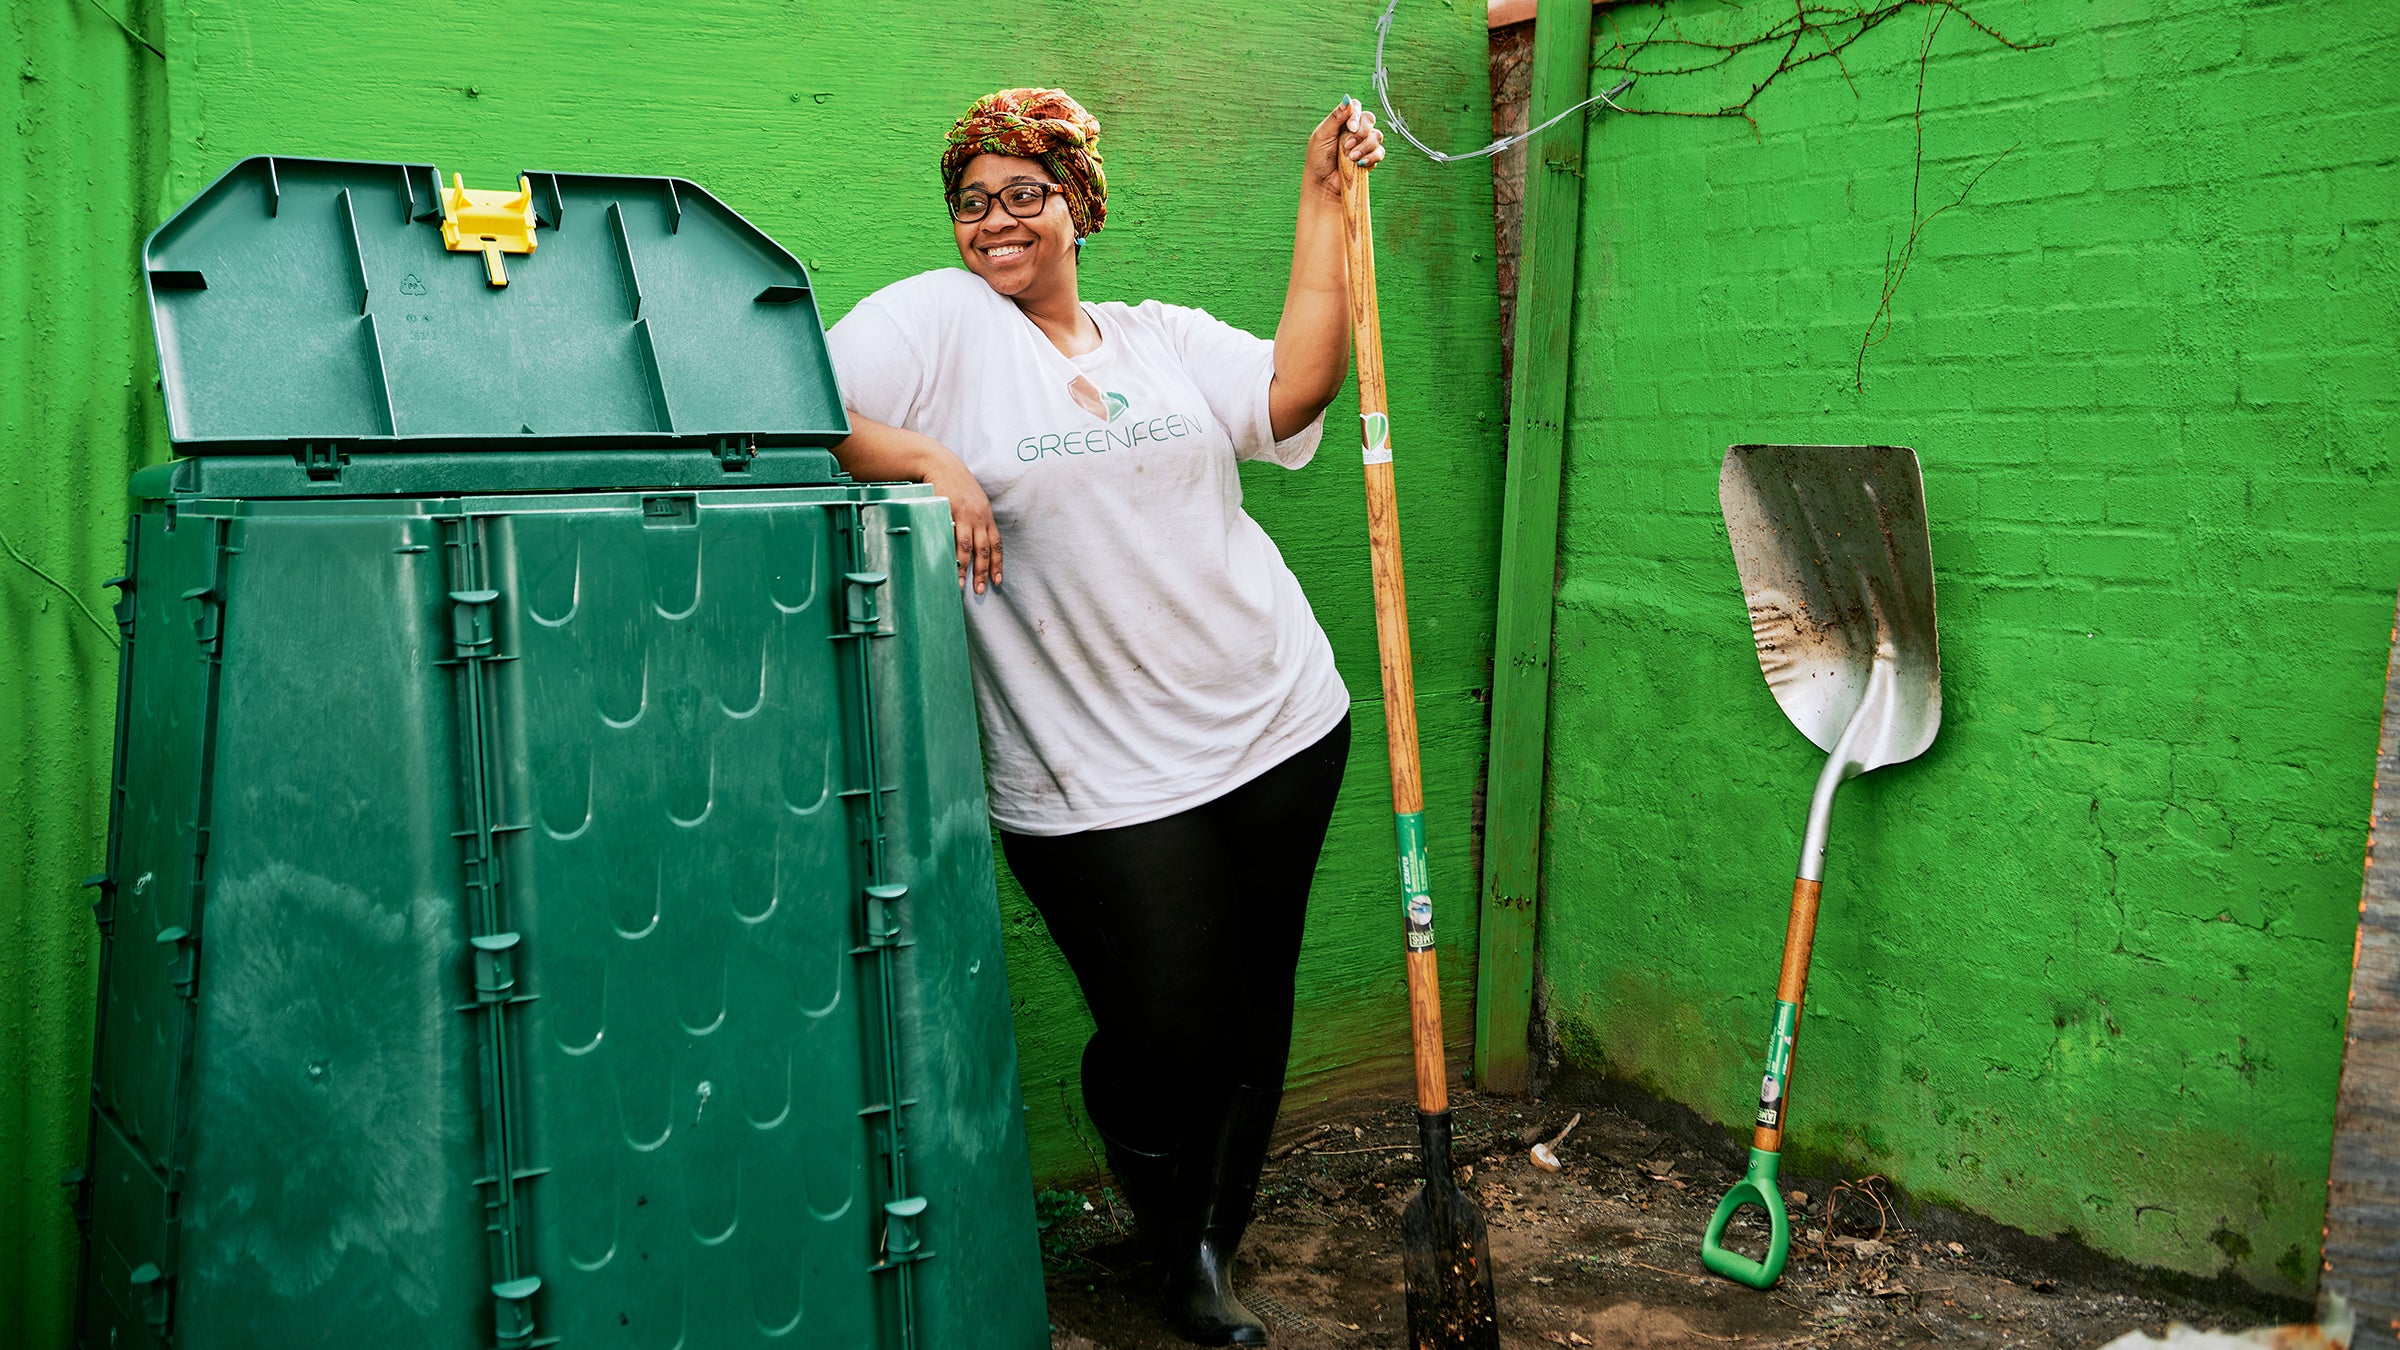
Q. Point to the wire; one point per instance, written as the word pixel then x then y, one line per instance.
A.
pixel 29 565
pixel 120 23
pixel 1383 92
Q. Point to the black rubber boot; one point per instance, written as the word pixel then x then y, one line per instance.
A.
pixel 1146 1177
pixel 1218 1191
pixel 1148 1183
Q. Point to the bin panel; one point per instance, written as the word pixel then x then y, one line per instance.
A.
pixel 680 698
pixel 969 1155
pixel 140 1060
pixel 313 303
pixel 694 1050
pixel 332 969
pixel 125 1288
pixel 726 362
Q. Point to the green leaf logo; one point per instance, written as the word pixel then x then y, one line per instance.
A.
pixel 1117 403
pixel 1378 437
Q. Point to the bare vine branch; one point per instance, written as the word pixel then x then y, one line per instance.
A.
pixel 1895 266
pixel 1832 27
pixel 1811 31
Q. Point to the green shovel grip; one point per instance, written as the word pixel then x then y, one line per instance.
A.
pixel 1757 1187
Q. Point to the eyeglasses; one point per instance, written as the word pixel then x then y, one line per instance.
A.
pixel 1022 200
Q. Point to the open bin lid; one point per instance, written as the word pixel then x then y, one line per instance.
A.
pixel 311 306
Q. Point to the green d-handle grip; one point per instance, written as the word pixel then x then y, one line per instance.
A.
pixel 1757 1187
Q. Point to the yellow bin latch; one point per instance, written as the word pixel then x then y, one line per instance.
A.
pixel 488 222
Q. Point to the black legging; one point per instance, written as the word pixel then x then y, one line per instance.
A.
pixel 1185 934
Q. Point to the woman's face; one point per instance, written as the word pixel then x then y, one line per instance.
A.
pixel 1012 254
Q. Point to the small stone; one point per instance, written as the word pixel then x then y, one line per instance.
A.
pixel 1954 1249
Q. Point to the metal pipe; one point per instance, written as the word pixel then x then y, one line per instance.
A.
pixel 1849 758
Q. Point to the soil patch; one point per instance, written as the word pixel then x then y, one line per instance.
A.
pixel 1605 1252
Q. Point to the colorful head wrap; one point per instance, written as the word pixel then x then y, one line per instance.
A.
pixel 1037 124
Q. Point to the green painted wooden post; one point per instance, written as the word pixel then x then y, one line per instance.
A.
pixel 1562 74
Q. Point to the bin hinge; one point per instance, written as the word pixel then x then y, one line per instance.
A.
pixel 861 613
pixel 104 905
pixel 123 611
pixel 901 1240
pixel 495 972
pixel 734 453
pixel 323 460
pixel 152 1288
pixel 883 917
pixel 208 616
pixel 208 613
pixel 471 624
pixel 182 967
pixel 79 1181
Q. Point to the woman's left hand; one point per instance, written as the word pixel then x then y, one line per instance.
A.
pixel 1348 132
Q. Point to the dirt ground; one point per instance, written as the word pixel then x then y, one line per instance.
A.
pixel 1606 1252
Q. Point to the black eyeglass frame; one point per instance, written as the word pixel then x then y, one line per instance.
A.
pixel 1047 189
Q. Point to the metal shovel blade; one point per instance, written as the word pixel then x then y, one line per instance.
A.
pixel 1838 572
pixel 1445 1257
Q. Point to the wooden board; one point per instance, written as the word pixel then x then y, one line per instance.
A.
pixel 2362 1211
pixel 1529 551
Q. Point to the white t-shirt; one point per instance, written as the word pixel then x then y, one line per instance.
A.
pixel 1148 650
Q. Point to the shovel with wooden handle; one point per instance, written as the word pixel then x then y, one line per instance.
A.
pixel 1445 1256
pixel 1837 568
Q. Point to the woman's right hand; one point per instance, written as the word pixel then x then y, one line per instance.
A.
pixel 973 531
pixel 876 453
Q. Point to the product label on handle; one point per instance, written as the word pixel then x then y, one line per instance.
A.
pixel 1416 878
pixel 1779 1066
pixel 1377 435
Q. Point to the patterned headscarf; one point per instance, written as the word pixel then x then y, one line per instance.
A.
pixel 1037 124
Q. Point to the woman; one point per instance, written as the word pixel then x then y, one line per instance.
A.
pixel 1164 729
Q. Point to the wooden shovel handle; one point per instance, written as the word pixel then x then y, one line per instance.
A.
pixel 1799 936
pixel 1391 641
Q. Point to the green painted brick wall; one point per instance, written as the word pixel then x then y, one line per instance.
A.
pixel 2082 968
pixel 79 177
pixel 822 123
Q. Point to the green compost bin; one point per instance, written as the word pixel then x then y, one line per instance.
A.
pixel 549 893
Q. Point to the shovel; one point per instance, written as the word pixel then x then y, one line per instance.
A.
pixel 1446 1260
pixel 1831 545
